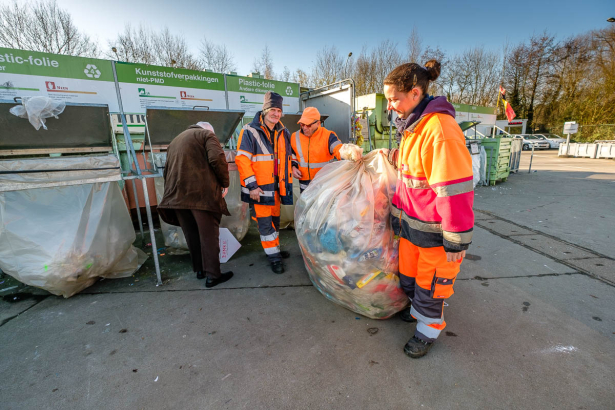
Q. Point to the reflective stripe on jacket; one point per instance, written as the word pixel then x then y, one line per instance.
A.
pixel 434 196
pixel 312 153
pixel 263 161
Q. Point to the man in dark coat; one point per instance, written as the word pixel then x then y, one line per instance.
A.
pixel 195 181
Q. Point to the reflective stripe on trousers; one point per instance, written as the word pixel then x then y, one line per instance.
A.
pixel 427 279
pixel 267 218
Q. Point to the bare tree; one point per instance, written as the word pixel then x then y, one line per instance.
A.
pixel 329 66
pixel 372 66
pixel 264 64
pixel 147 47
pixel 133 46
pixel 302 78
pixel 285 76
pixel 172 51
pixel 216 58
pixel 415 46
pixel 43 26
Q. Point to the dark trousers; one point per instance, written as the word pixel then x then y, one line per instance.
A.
pixel 202 232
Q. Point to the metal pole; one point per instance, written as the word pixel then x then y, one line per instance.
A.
pixel 568 145
pixel 151 231
pixel 531 158
pixel 226 92
pixel 128 141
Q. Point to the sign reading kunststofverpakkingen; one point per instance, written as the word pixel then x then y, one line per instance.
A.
pixel 246 93
pixel 67 78
pixel 143 86
pixel 464 112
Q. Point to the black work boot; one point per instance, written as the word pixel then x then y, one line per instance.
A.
pixel 285 254
pixel 416 348
pixel 277 267
pixel 200 275
pixel 211 282
pixel 406 316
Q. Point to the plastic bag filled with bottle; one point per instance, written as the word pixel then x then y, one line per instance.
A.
pixel 343 226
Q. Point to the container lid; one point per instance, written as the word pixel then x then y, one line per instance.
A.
pixel 164 124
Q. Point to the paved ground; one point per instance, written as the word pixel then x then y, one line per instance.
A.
pixel 531 325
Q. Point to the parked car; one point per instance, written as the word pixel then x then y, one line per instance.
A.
pixel 555 140
pixel 543 137
pixel 529 140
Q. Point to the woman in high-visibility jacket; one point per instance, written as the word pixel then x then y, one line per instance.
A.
pixel 313 146
pixel 432 207
pixel 263 160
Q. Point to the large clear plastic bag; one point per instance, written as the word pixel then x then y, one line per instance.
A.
pixel 238 223
pixel 37 109
pixel 62 239
pixel 343 226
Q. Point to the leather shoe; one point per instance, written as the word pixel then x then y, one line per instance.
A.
pixel 416 348
pixel 406 316
pixel 277 267
pixel 200 275
pixel 285 254
pixel 211 282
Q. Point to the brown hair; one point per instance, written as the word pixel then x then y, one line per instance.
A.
pixel 407 76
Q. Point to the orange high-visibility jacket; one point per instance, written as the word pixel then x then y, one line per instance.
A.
pixel 264 162
pixel 312 153
pixel 433 201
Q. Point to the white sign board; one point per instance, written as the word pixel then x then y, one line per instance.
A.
pixel 571 127
pixel 228 245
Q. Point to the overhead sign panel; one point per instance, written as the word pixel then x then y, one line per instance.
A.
pixel 143 86
pixel 247 94
pixel 67 78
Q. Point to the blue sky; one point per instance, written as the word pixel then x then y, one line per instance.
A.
pixel 295 31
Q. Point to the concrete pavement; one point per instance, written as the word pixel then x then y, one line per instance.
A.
pixel 531 325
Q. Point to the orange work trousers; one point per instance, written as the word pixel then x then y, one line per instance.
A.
pixel 428 279
pixel 267 218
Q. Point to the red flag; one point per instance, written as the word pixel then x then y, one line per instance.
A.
pixel 510 113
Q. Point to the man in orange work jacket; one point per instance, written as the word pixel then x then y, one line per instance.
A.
pixel 313 147
pixel 263 159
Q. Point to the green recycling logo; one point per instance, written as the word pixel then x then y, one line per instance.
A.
pixel 92 71
pixel 289 90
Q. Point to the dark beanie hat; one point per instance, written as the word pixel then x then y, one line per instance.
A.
pixel 272 100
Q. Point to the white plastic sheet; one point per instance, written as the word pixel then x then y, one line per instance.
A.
pixel 342 222
pixel 38 109
pixel 27 173
pixel 62 239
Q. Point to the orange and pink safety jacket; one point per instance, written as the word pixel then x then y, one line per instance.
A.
pixel 433 201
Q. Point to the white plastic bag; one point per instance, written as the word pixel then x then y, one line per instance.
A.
pixel 343 226
pixel 62 239
pixel 37 109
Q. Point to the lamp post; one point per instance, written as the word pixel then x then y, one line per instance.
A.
pixel 346 66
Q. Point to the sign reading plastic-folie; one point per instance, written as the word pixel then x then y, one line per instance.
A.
pixel 143 86
pixel 246 93
pixel 70 79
